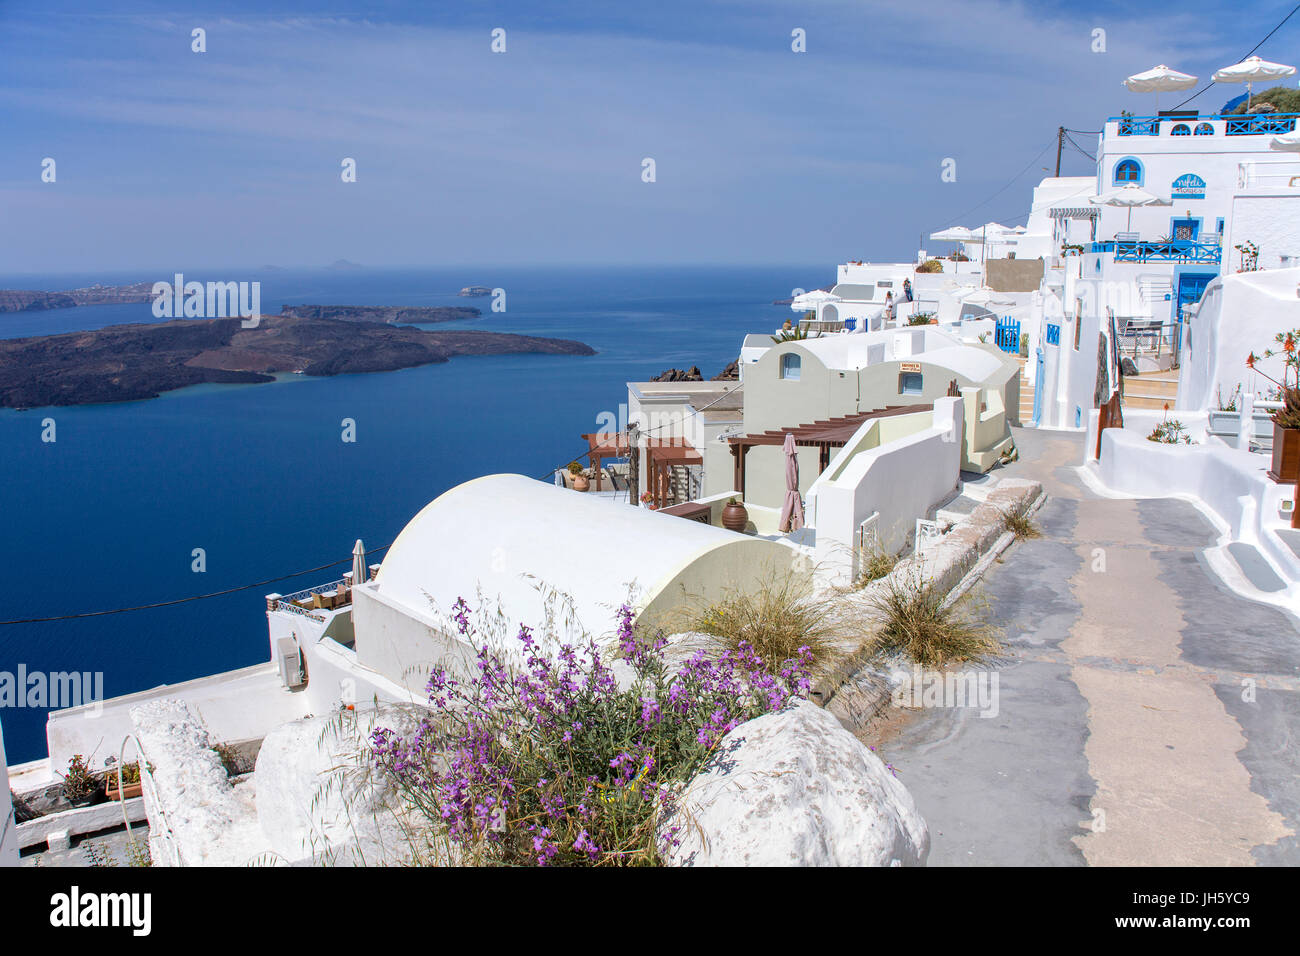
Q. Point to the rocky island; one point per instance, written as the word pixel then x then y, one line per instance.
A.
pixel 25 300
pixel 388 314
pixel 129 362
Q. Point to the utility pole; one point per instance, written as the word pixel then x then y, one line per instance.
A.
pixel 1060 143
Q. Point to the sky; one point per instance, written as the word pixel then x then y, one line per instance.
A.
pixel 170 159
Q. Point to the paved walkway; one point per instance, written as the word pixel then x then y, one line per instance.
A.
pixel 1147 714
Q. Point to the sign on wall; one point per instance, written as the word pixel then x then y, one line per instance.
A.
pixel 1188 186
pixel 909 366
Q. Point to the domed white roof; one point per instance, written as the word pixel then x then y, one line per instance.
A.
pixel 503 535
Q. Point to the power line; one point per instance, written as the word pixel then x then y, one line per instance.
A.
pixel 1248 53
pixel 184 600
pixel 1008 185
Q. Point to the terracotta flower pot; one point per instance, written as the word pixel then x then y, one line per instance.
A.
pixel 581 482
pixel 735 517
pixel 128 791
pixel 1286 454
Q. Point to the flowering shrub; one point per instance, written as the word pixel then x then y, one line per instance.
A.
pixel 551 763
pixel 1289 387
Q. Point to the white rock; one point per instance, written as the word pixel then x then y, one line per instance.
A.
pixel 795 788
pixel 320 801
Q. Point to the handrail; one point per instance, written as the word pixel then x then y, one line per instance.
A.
pixel 1235 124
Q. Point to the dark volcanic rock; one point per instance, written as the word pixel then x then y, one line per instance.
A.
pixel 677 375
pixel 20 300
pixel 729 374
pixel 127 362
pixel 390 315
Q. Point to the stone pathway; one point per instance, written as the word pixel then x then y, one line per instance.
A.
pixel 1147 715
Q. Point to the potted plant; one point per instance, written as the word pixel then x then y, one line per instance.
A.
pixel 648 500
pixel 735 517
pixel 1286 420
pixel 131 786
pixel 580 480
pixel 79 785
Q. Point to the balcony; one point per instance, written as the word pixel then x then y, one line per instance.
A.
pixel 1248 124
pixel 1177 250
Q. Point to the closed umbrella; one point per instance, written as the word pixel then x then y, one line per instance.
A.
pixel 792 507
pixel 1129 195
pixel 1159 79
pixel 1253 70
pixel 359 570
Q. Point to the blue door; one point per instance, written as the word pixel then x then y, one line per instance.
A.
pixel 1008 336
pixel 1191 285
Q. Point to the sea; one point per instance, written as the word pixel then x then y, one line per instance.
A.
pixel 110 514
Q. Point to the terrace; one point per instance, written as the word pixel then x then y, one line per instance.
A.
pixel 1192 124
pixel 1166 250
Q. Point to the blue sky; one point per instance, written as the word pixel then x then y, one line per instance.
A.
pixel 168 159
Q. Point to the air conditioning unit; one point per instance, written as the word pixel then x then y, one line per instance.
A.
pixel 289 660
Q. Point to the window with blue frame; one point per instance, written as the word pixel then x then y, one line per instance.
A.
pixel 910 383
pixel 791 365
pixel 1181 129
pixel 1204 129
pixel 1128 171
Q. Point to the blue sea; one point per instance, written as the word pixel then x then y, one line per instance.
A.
pixel 109 515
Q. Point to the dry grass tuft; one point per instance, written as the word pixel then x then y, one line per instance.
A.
pixel 917 620
pixel 777 619
pixel 1020 524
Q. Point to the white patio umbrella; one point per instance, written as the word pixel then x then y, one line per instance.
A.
pixel 359 570
pixel 1286 141
pixel 1253 70
pixel 1159 79
pixel 792 508
pixel 812 300
pixel 952 234
pixel 1129 195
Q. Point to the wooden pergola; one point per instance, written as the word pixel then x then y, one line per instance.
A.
pixel 602 445
pixel 823 435
pixel 661 455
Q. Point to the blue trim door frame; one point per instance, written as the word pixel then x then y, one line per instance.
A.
pixel 1038 386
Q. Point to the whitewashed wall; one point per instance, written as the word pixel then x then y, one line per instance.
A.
pixel 902 480
pixel 1238 314
pixel 8 836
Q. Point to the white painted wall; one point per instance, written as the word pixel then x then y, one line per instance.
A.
pixel 8 834
pixel 1238 314
pixel 1231 485
pixel 902 480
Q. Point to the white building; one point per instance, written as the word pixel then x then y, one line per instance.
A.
pixel 8 834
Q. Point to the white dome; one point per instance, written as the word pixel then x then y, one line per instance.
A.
pixel 503 535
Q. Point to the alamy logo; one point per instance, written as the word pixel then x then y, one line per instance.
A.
pixel 216 300
pixel 75 909
pixel 922 688
pixel 55 690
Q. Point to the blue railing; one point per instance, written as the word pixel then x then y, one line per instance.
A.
pixel 1246 124
pixel 1178 250
pixel 1053 334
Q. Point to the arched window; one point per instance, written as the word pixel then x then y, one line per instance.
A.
pixel 790 366
pixel 1128 171
pixel 1204 129
pixel 1182 129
